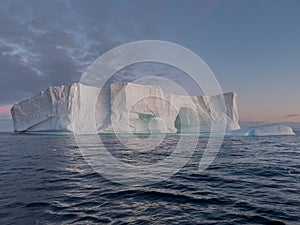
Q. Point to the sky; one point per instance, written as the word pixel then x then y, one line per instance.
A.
pixel 252 46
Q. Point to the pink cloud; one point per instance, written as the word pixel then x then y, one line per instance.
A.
pixel 5 110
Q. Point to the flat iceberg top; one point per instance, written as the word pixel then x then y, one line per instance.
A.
pixel 267 130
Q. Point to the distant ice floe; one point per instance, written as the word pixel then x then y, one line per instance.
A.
pixel 266 130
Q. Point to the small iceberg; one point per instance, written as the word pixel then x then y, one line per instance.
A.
pixel 267 130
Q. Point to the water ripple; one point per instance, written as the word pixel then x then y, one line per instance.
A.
pixel 45 180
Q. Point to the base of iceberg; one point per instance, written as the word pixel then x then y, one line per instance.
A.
pixel 267 130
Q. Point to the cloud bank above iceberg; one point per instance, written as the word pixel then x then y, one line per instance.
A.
pixel 52 42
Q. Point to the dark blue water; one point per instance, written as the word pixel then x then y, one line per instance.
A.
pixel 45 180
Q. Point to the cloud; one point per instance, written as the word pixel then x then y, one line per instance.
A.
pixel 52 42
pixel 295 115
pixel 5 110
pixel 46 43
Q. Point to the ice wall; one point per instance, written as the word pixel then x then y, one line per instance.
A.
pixel 126 107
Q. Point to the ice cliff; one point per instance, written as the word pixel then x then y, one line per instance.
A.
pixel 125 107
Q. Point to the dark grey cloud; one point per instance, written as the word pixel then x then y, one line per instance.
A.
pixel 51 42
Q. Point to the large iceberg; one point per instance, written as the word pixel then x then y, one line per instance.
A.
pixel 125 107
pixel 128 107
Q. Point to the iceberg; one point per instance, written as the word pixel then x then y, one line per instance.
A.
pixel 124 107
pixel 131 108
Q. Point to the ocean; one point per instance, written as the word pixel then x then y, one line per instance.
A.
pixel 44 179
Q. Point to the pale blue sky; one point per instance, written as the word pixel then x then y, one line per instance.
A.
pixel 252 46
